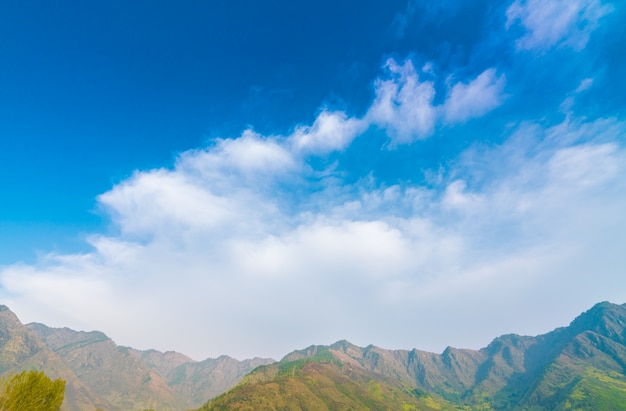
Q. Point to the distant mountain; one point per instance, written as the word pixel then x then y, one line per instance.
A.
pixel 101 374
pixel 197 381
pixel 118 377
pixel 582 366
pixel 21 349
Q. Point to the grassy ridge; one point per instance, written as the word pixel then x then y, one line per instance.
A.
pixel 321 383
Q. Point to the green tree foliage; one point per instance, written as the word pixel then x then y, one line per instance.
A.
pixel 31 391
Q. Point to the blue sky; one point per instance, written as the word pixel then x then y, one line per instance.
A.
pixel 248 179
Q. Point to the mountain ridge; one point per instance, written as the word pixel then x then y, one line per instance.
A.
pixel 578 366
pixel 101 374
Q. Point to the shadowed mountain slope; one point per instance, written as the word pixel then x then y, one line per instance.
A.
pixel 113 373
pixel 132 379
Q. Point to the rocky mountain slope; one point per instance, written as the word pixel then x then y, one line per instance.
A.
pixel 101 374
pixel 582 366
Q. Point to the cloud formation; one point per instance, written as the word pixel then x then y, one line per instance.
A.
pixel 331 131
pixel 478 97
pixel 201 240
pixel 404 104
pixel 550 23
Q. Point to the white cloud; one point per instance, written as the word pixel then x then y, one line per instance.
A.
pixel 404 105
pixel 586 165
pixel 250 156
pixel 584 85
pixel 240 273
pixel 550 23
pixel 476 98
pixel 162 200
pixel 331 131
pixel 456 196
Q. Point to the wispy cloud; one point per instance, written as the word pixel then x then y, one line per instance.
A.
pixel 549 23
pixel 404 104
pixel 405 107
pixel 481 95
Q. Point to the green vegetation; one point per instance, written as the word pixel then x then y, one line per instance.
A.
pixel 580 388
pixel 290 367
pixel 597 390
pixel 31 391
pixel 322 384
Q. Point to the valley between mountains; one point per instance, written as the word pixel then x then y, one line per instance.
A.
pixel 578 367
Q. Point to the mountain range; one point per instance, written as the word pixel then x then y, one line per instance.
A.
pixel 578 367
pixel 99 374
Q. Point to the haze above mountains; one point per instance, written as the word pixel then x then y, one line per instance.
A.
pixel 582 365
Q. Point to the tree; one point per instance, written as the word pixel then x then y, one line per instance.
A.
pixel 31 391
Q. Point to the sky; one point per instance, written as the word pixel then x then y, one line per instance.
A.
pixel 249 178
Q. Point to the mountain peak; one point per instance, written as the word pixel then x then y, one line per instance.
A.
pixel 602 308
pixel 604 318
pixel 343 345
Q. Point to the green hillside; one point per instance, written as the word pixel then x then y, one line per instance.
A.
pixel 579 367
pixel 322 384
